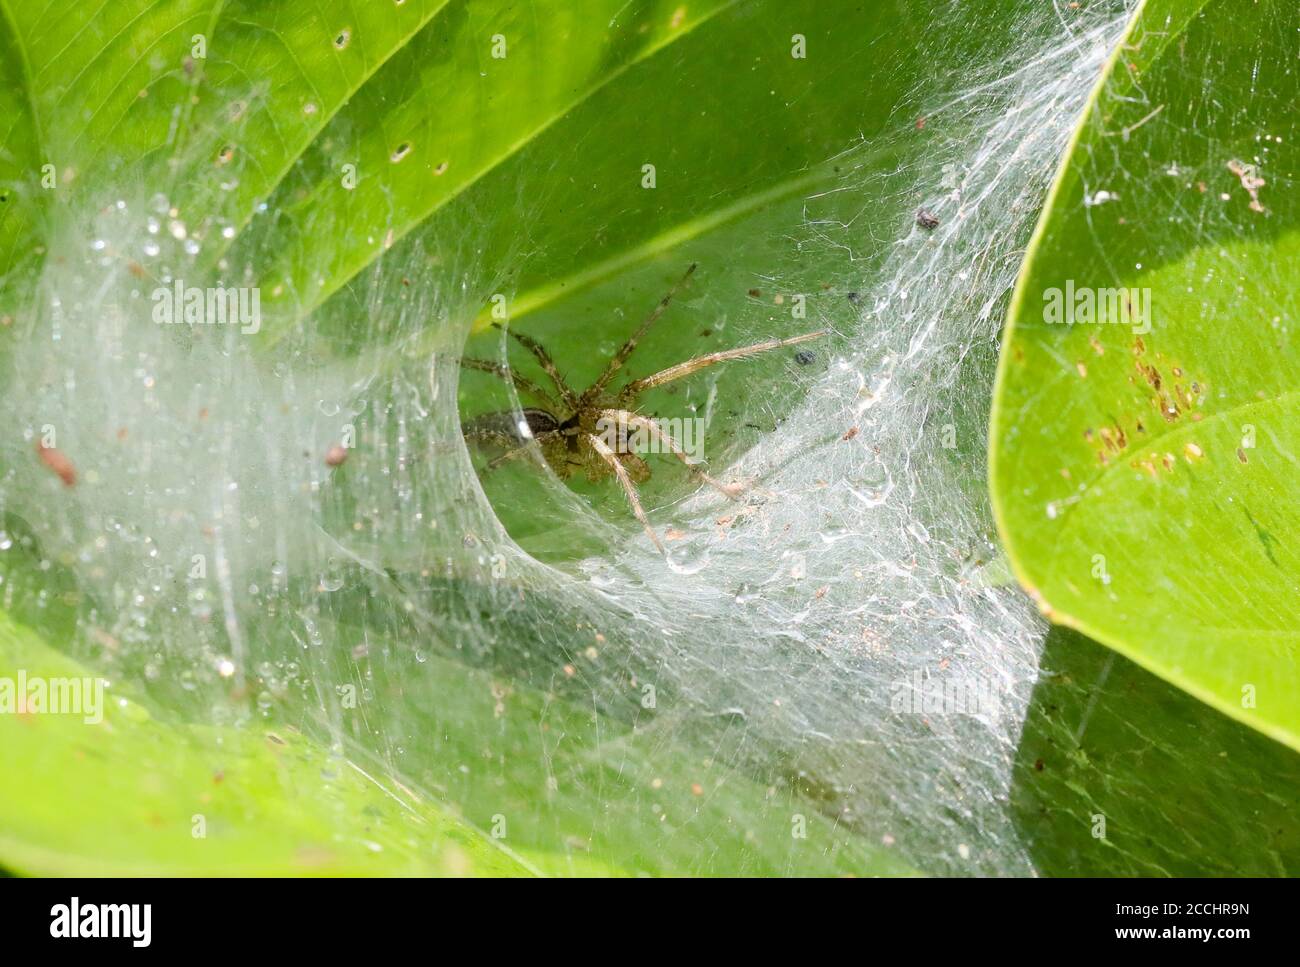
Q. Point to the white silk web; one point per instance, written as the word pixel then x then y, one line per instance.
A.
pixel 840 649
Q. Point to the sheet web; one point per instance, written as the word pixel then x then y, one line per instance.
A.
pixel 617 708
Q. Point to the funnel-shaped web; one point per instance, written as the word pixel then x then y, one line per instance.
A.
pixel 773 667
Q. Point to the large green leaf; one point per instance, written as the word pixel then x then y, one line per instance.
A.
pixel 1145 481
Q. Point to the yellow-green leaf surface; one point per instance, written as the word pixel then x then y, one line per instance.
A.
pixel 1145 481
pixel 125 793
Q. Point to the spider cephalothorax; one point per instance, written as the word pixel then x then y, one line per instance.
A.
pixel 592 431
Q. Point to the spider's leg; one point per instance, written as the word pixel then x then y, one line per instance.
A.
pixel 620 357
pixel 548 365
pixel 638 386
pixel 732 491
pixel 522 384
pixel 521 450
pixel 629 488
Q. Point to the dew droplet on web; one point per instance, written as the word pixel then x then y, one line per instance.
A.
pixel 332 578
pixel 689 558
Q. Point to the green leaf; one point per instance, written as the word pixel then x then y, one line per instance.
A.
pixel 20 161
pixel 467 95
pixel 1121 774
pixel 1144 482
pixel 94 92
pixel 446 137
pixel 130 795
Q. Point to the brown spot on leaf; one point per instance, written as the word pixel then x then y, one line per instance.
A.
pixel 1150 374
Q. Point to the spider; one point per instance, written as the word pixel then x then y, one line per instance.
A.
pixel 572 429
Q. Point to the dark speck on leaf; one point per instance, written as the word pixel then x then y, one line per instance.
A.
pixel 853 297
pixel 804 357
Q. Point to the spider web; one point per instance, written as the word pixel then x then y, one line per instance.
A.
pixel 766 673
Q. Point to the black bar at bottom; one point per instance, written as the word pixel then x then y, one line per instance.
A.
pixel 336 917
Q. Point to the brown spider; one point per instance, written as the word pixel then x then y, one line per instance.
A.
pixel 573 431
